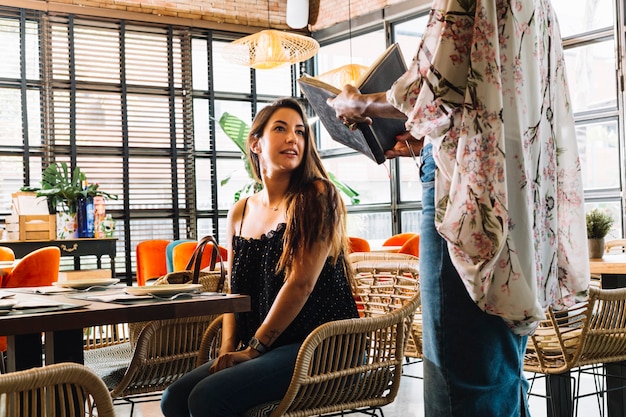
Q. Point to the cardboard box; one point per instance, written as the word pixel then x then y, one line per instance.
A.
pixel 38 227
pixel 84 274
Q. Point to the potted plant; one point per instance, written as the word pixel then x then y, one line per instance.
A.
pixel 599 224
pixel 63 191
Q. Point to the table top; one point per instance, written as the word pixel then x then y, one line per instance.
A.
pixel 92 313
pixel 608 264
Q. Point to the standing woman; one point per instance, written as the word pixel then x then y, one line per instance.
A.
pixel 503 224
pixel 287 252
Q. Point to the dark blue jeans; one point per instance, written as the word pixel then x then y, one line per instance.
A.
pixel 232 391
pixel 473 363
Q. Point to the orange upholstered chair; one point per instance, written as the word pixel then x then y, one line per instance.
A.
pixel 38 268
pixel 151 260
pixel 182 252
pixel 411 246
pixel 399 239
pixel 358 244
pixel 6 254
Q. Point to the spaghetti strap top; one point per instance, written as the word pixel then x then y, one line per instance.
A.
pixel 254 274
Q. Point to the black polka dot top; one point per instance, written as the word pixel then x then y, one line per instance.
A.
pixel 253 274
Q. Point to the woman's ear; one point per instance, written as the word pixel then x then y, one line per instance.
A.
pixel 255 145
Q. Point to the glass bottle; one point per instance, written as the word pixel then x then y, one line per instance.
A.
pixel 85 214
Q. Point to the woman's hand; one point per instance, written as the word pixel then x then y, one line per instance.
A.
pixel 401 148
pixel 230 359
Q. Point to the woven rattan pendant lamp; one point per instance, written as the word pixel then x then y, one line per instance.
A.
pixel 270 48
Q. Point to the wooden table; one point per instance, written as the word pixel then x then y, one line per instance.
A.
pixel 612 267
pixel 64 329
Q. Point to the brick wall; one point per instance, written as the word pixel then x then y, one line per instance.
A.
pixel 252 13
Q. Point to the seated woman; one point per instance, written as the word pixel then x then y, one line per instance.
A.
pixel 287 248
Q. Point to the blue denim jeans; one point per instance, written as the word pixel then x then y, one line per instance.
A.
pixel 473 363
pixel 232 391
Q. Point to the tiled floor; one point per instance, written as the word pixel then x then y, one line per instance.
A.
pixel 409 402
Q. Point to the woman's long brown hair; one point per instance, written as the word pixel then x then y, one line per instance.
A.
pixel 315 210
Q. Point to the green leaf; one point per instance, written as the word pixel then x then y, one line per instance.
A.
pixel 345 188
pixel 236 129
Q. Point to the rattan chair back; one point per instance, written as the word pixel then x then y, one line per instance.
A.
pixel 60 390
pixel 343 365
pixel 349 364
pixel 615 246
pixel 384 281
pixel 589 333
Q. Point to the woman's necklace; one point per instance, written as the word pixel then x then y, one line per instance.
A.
pixel 276 207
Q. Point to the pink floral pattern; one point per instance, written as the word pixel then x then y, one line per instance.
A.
pixel 488 89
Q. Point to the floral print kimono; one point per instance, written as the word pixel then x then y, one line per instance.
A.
pixel 488 89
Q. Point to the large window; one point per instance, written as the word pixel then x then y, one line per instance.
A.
pixel 592 68
pixel 135 107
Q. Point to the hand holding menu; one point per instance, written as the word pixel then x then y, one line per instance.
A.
pixel 370 140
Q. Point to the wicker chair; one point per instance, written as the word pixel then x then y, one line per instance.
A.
pixel 60 390
pixel 165 351
pixel 615 246
pixel 583 338
pixel 323 384
pixel 396 273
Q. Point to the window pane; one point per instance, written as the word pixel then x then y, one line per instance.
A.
pixel 591 74
pixel 147 59
pixel 201 130
pixel 232 178
pixel 33 104
pixel 203 184
pixel 362 50
pixel 274 82
pixel 410 185
pixel 599 153
pixel 226 76
pixel 371 226
pixel 199 64
pixel 10 48
pixel 11 117
pixel 151 184
pixel 11 180
pixel 588 15
pixel 407 35
pixel 242 110
pixel 371 181
pixel 97 55
pixel 411 221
